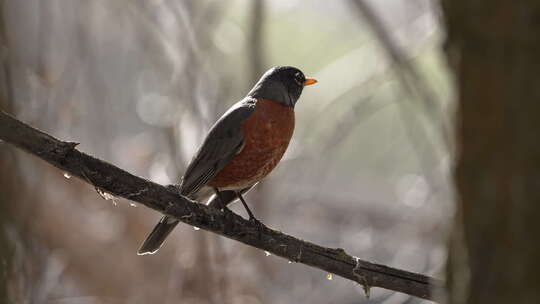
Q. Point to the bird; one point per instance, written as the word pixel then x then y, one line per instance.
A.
pixel 241 148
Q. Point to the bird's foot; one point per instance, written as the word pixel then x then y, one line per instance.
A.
pixel 229 222
pixel 173 188
pixel 259 226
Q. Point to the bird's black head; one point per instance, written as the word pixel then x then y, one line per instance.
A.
pixel 283 84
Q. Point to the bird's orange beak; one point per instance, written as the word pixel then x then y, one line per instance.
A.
pixel 310 81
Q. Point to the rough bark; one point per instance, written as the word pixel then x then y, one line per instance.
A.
pixel 494 47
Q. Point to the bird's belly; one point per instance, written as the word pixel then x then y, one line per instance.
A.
pixel 266 139
pixel 248 168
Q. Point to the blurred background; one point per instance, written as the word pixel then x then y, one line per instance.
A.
pixel 139 83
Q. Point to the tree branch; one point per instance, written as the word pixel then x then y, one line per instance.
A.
pixel 113 180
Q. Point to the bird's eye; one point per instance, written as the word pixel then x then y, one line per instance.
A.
pixel 299 78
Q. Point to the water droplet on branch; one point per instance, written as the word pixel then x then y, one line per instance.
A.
pixel 107 196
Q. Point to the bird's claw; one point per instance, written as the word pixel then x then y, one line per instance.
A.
pixel 228 219
pixel 259 226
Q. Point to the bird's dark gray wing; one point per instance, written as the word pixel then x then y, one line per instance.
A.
pixel 223 142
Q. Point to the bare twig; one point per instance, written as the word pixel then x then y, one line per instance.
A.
pixel 416 86
pixel 409 76
pixel 118 182
pixel 256 36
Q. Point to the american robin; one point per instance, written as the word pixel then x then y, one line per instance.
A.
pixel 242 147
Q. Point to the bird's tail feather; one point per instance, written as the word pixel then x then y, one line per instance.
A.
pixel 158 235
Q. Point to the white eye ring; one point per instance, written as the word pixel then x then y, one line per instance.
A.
pixel 297 78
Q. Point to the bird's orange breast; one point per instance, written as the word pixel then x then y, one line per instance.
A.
pixel 267 133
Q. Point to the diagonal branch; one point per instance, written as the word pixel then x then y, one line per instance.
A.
pixel 113 180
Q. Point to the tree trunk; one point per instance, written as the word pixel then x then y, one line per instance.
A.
pixel 494 49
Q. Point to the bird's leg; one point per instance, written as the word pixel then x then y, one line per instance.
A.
pixel 251 216
pixel 228 223
pixel 222 204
